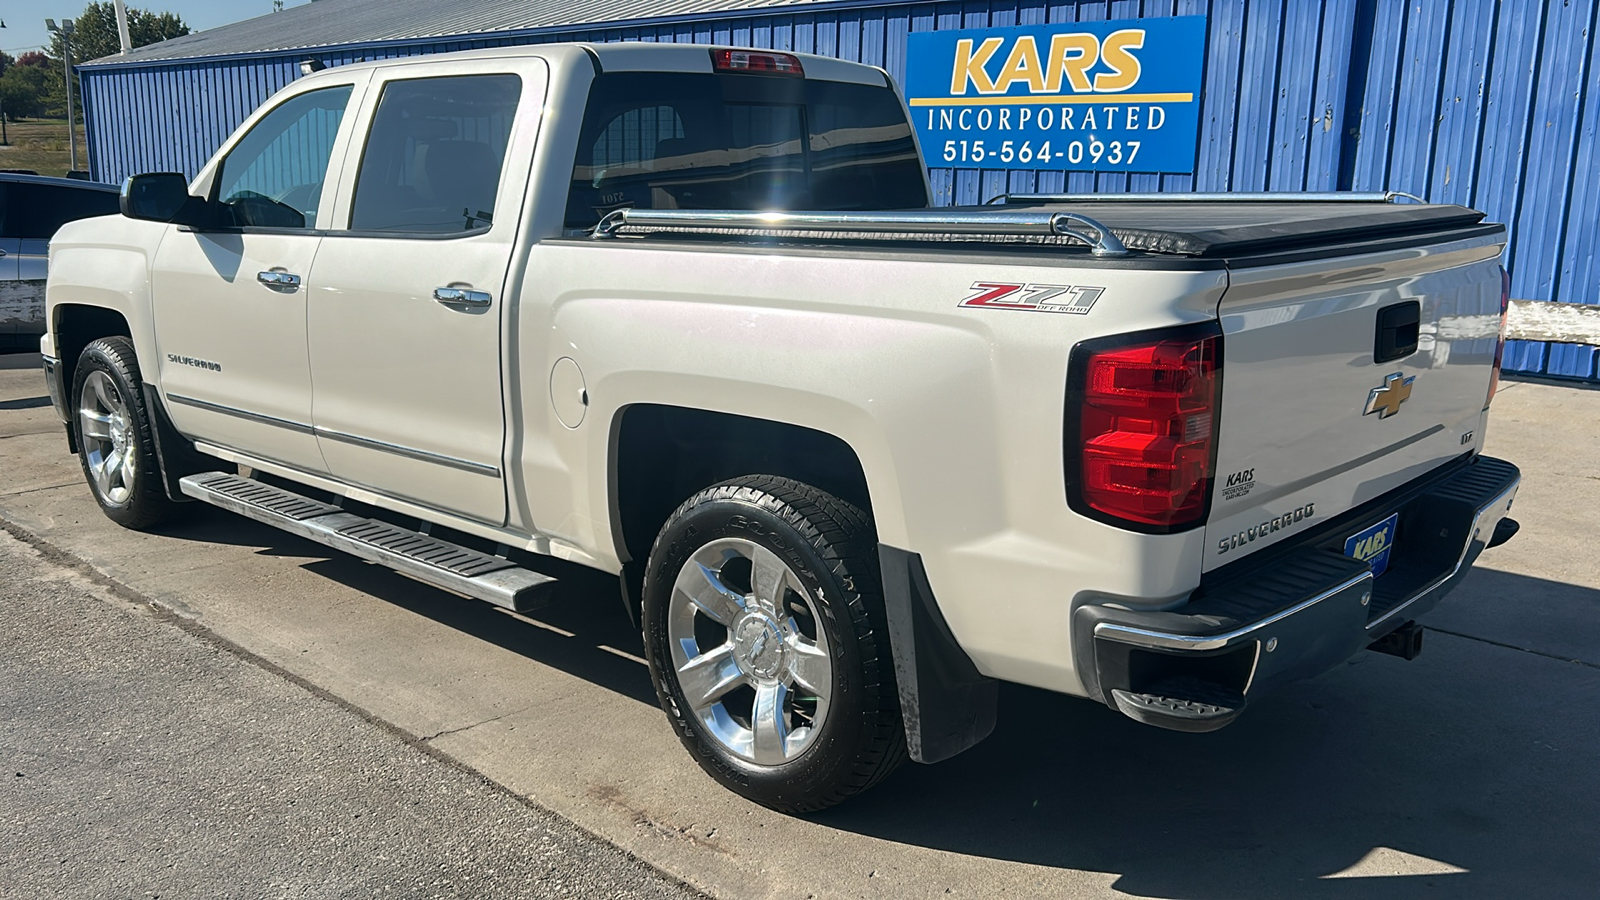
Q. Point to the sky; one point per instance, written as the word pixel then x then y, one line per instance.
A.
pixel 24 19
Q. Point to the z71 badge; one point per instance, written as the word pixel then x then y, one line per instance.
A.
pixel 1073 299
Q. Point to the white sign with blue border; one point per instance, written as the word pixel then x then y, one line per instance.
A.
pixel 1120 96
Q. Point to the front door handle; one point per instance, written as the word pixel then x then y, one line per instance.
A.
pixel 279 280
pixel 453 296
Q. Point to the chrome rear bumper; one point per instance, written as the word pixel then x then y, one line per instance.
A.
pixel 1298 610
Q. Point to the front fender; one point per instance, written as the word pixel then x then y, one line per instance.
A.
pixel 105 263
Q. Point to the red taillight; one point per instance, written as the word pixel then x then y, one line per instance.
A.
pixel 757 62
pixel 1500 342
pixel 1145 411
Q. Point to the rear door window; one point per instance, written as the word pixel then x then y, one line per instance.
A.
pixel 703 141
pixel 434 156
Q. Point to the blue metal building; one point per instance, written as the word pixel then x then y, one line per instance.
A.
pixel 1488 103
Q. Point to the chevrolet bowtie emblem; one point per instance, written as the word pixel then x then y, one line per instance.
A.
pixel 1386 400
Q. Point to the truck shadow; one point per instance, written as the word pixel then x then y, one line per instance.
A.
pixel 584 631
pixel 1473 769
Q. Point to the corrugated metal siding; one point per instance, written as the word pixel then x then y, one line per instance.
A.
pixel 1491 103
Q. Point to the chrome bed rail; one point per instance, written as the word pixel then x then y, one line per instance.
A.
pixel 889 224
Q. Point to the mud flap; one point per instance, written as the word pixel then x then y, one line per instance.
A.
pixel 947 704
pixel 174 453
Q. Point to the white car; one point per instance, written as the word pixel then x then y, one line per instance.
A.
pixel 683 314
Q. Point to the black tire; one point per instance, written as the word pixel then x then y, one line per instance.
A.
pixel 830 547
pixel 138 499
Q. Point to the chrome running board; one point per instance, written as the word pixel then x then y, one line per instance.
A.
pixel 423 557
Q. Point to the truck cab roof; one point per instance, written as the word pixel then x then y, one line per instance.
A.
pixel 640 56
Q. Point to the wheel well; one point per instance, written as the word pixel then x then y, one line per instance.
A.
pixel 664 454
pixel 75 327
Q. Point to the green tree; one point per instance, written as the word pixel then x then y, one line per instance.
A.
pixel 95 31
pixel 22 90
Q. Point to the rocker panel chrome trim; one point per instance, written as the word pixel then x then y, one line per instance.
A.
pixel 466 465
pixel 237 413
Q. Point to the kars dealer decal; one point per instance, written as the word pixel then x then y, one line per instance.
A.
pixel 1073 299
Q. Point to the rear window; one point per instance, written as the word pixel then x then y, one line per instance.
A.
pixel 37 211
pixel 656 140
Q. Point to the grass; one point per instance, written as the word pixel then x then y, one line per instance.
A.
pixel 40 145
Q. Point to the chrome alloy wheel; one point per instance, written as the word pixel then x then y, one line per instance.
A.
pixel 751 656
pixel 110 446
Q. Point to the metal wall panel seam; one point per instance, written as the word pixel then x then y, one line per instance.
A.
pixel 1325 140
pixel 1579 279
pixel 1300 49
pixel 1371 168
pixel 1174 181
pixel 1258 82
pixel 1552 149
pixel 1483 85
pixel 1526 356
pixel 1417 99
pixel 1573 360
pixel 1447 51
pixel 1507 112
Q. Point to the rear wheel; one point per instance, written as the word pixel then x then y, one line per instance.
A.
pixel 115 440
pixel 763 619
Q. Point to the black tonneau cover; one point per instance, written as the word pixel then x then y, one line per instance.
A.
pixel 1226 228
pixel 1207 229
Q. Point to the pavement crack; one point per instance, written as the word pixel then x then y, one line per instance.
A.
pixel 450 731
pixel 48 487
pixel 1484 640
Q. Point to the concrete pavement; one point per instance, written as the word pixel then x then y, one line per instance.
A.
pixel 141 760
pixel 1471 771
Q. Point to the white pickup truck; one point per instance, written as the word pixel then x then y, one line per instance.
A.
pixel 683 314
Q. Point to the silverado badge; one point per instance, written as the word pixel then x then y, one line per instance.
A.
pixel 1386 400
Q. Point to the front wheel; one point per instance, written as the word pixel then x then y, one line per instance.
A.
pixel 764 627
pixel 115 442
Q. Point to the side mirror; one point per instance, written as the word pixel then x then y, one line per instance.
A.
pixel 161 197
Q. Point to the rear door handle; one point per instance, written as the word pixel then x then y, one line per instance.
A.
pixel 279 280
pixel 452 296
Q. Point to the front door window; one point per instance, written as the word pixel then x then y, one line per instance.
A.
pixel 273 177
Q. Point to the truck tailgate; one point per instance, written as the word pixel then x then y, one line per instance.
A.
pixel 1323 407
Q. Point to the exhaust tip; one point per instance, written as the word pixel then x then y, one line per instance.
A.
pixel 1404 642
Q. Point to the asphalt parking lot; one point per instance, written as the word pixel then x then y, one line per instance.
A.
pixel 1473 771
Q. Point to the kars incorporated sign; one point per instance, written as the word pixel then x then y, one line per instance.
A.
pixel 1091 96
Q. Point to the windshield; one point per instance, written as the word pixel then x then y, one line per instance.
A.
pixel 656 140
